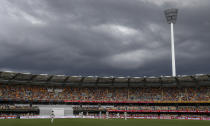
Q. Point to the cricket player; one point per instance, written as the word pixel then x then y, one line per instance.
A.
pixel 52 116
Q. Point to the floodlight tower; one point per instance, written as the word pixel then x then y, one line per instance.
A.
pixel 171 16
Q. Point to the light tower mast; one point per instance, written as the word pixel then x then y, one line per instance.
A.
pixel 171 16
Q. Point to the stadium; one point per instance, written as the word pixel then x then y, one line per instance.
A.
pixel 120 51
pixel 26 96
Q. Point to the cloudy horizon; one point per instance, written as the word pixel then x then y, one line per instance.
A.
pixel 103 37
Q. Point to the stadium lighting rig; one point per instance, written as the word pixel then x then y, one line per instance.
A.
pixel 171 16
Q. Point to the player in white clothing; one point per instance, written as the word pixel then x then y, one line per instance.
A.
pixel 52 116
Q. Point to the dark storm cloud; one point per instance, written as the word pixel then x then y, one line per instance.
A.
pixel 103 37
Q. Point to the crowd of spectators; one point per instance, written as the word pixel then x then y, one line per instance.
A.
pixel 134 115
pixel 11 110
pixel 17 114
pixel 180 108
pixel 17 107
pixel 22 92
pixel 88 109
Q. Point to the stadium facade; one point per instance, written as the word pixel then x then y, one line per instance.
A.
pixel 184 97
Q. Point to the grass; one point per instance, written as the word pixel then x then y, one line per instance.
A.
pixel 101 122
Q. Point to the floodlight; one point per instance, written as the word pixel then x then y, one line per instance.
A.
pixel 171 16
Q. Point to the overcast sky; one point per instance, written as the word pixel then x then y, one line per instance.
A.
pixel 103 37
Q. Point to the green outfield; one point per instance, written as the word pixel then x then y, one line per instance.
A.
pixel 100 122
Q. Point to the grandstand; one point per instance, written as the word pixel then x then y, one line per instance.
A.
pixel 28 95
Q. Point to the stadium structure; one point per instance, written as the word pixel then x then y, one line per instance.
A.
pixel 25 95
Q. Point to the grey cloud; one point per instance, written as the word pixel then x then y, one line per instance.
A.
pixel 104 38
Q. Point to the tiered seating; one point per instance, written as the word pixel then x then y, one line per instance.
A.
pixel 7 110
pixel 104 94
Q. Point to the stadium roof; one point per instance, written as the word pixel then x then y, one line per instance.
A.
pixel 9 77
